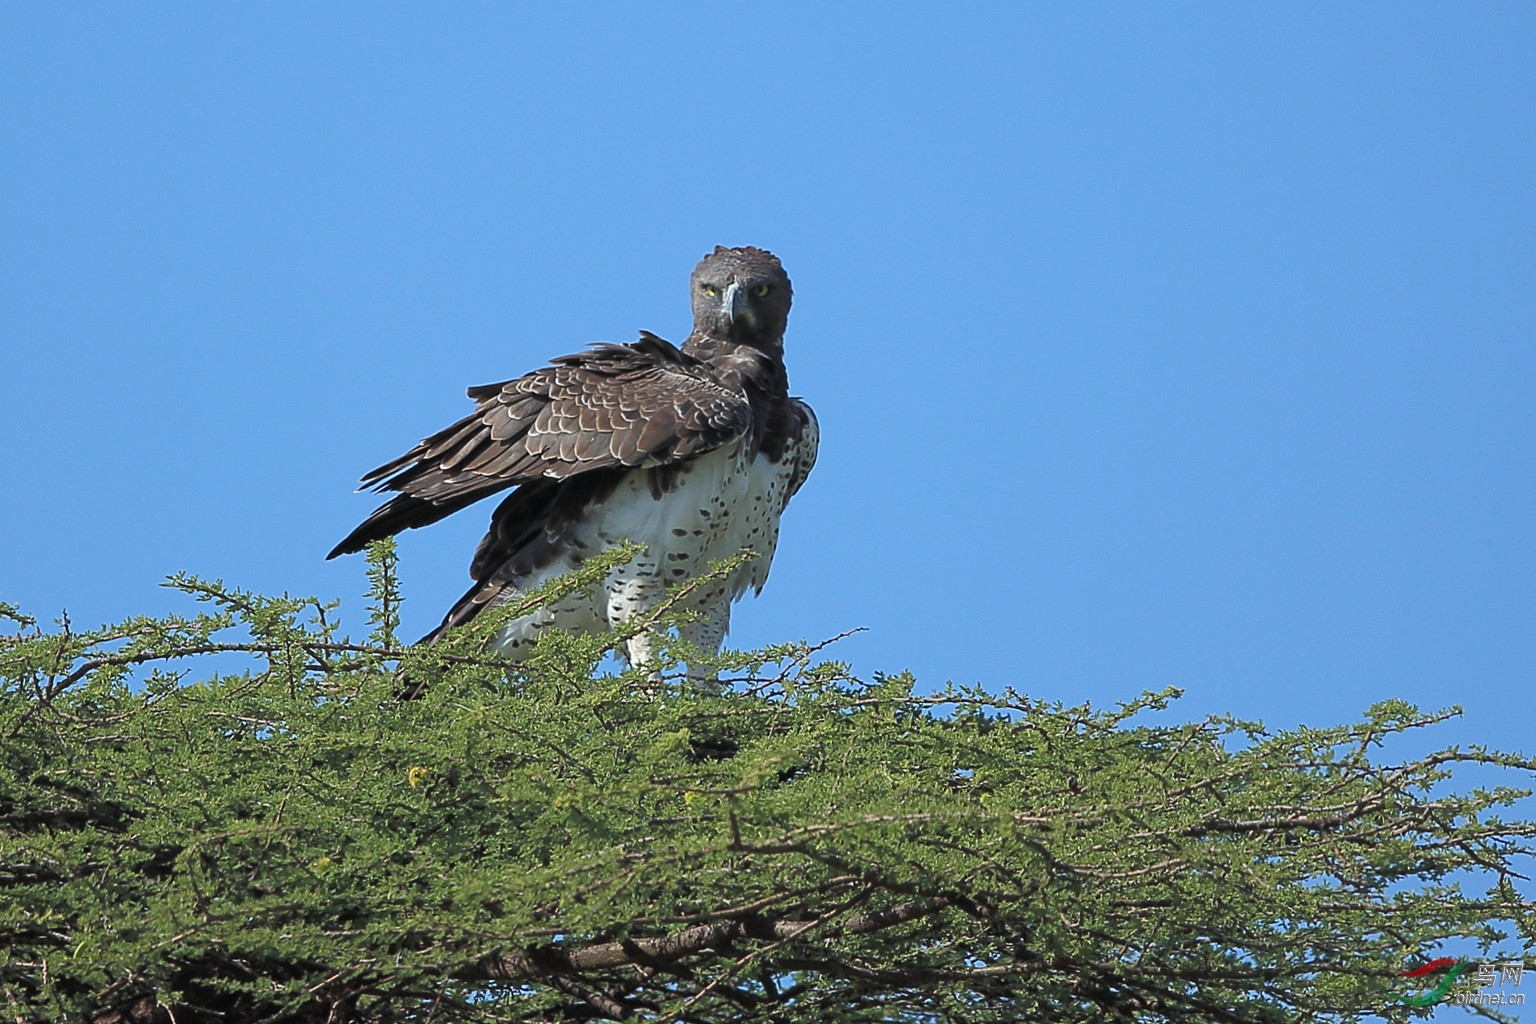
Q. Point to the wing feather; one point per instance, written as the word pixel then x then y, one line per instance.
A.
pixel 645 403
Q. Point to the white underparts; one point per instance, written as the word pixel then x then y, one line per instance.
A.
pixel 719 506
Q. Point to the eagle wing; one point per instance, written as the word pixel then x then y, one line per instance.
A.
pixel 806 439
pixel 643 404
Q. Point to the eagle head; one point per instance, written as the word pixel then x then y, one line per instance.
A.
pixel 741 295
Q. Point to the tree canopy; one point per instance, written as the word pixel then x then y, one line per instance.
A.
pixel 328 829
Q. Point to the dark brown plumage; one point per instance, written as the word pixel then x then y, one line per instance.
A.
pixel 593 439
pixel 611 406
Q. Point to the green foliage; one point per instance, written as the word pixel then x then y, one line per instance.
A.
pixel 290 840
pixel 383 593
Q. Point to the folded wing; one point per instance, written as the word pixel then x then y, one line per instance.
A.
pixel 642 404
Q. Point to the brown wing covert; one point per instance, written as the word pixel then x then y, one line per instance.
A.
pixel 642 404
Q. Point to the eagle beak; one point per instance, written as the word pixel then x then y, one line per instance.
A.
pixel 734 302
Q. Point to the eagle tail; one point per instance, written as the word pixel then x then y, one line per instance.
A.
pixel 475 600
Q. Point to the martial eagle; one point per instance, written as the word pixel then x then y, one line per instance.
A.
pixel 691 453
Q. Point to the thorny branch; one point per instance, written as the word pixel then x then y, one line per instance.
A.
pixel 536 849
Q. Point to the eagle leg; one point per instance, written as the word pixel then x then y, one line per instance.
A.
pixel 640 651
pixel 707 633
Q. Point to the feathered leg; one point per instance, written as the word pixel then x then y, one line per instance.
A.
pixel 707 633
pixel 633 594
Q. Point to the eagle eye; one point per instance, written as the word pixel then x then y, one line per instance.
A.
pixel 760 290
pixel 711 290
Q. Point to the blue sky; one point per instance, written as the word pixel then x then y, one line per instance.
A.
pixel 1151 345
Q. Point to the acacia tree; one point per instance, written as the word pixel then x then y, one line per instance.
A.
pixel 344 830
